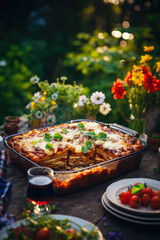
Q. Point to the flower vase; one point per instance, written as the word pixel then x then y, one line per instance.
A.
pixel 36 123
pixel 64 113
pixel 137 124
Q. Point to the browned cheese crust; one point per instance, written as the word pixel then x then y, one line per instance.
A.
pixel 72 145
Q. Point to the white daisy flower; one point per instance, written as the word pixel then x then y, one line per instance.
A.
pixel 34 79
pixel 54 96
pixel 52 85
pixel 63 78
pixel 39 115
pixel 37 95
pixel 51 119
pixel 97 98
pixel 82 100
pixel 105 108
pixel 3 63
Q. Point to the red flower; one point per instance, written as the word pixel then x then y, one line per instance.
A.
pixel 128 77
pixel 157 84
pixel 118 89
pixel 150 81
pixel 145 69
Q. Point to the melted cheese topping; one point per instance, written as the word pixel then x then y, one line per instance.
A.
pixel 73 137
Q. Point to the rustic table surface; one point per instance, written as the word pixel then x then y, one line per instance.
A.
pixel 87 204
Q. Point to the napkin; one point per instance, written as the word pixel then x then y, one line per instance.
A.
pixel 5 188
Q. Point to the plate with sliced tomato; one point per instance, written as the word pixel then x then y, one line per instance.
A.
pixel 48 227
pixel 139 195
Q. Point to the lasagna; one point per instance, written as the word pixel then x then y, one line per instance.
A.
pixel 74 145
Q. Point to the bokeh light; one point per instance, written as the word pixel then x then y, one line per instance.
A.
pixel 100 35
pixel 137 8
pixel 116 33
pixel 123 43
pixel 125 35
pixel 125 24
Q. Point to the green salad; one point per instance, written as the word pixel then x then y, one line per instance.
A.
pixel 49 228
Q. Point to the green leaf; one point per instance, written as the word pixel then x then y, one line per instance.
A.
pixel 49 146
pixel 64 130
pixel 34 142
pixel 96 137
pixel 81 132
pixel 81 125
pixel 102 135
pixel 85 149
pixel 89 144
pixel 57 136
pixel 90 134
pixel 47 137
pixel 137 188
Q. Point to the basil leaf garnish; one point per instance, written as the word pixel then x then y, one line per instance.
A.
pixel 49 146
pixel 90 134
pixel 85 149
pixel 81 131
pixel 89 144
pixel 81 125
pixel 34 142
pixel 47 137
pixel 57 136
pixel 137 188
pixel 64 130
pixel 96 137
pixel 102 135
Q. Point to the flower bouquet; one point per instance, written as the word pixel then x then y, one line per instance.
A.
pixel 142 88
pixel 54 102
pixel 89 107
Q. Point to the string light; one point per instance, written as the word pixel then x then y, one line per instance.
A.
pixel 125 24
pixel 123 43
pixel 131 36
pixel 116 33
pixel 137 8
pixel 125 35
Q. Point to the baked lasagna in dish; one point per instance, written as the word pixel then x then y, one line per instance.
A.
pixel 74 145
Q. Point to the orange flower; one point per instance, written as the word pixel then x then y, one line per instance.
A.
pixel 128 77
pixel 118 89
pixel 148 48
pixel 145 58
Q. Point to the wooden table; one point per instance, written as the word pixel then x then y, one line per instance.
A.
pixel 87 204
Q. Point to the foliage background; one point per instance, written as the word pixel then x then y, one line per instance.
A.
pixel 51 38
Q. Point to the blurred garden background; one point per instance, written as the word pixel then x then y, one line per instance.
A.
pixel 91 42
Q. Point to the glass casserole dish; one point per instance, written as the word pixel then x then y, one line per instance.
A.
pixel 69 181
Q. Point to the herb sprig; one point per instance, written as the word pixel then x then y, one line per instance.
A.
pixel 88 145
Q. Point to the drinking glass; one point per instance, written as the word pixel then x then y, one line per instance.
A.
pixel 40 190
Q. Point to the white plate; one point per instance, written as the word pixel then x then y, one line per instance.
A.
pixel 128 219
pixel 128 214
pixel 116 188
pixel 79 221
